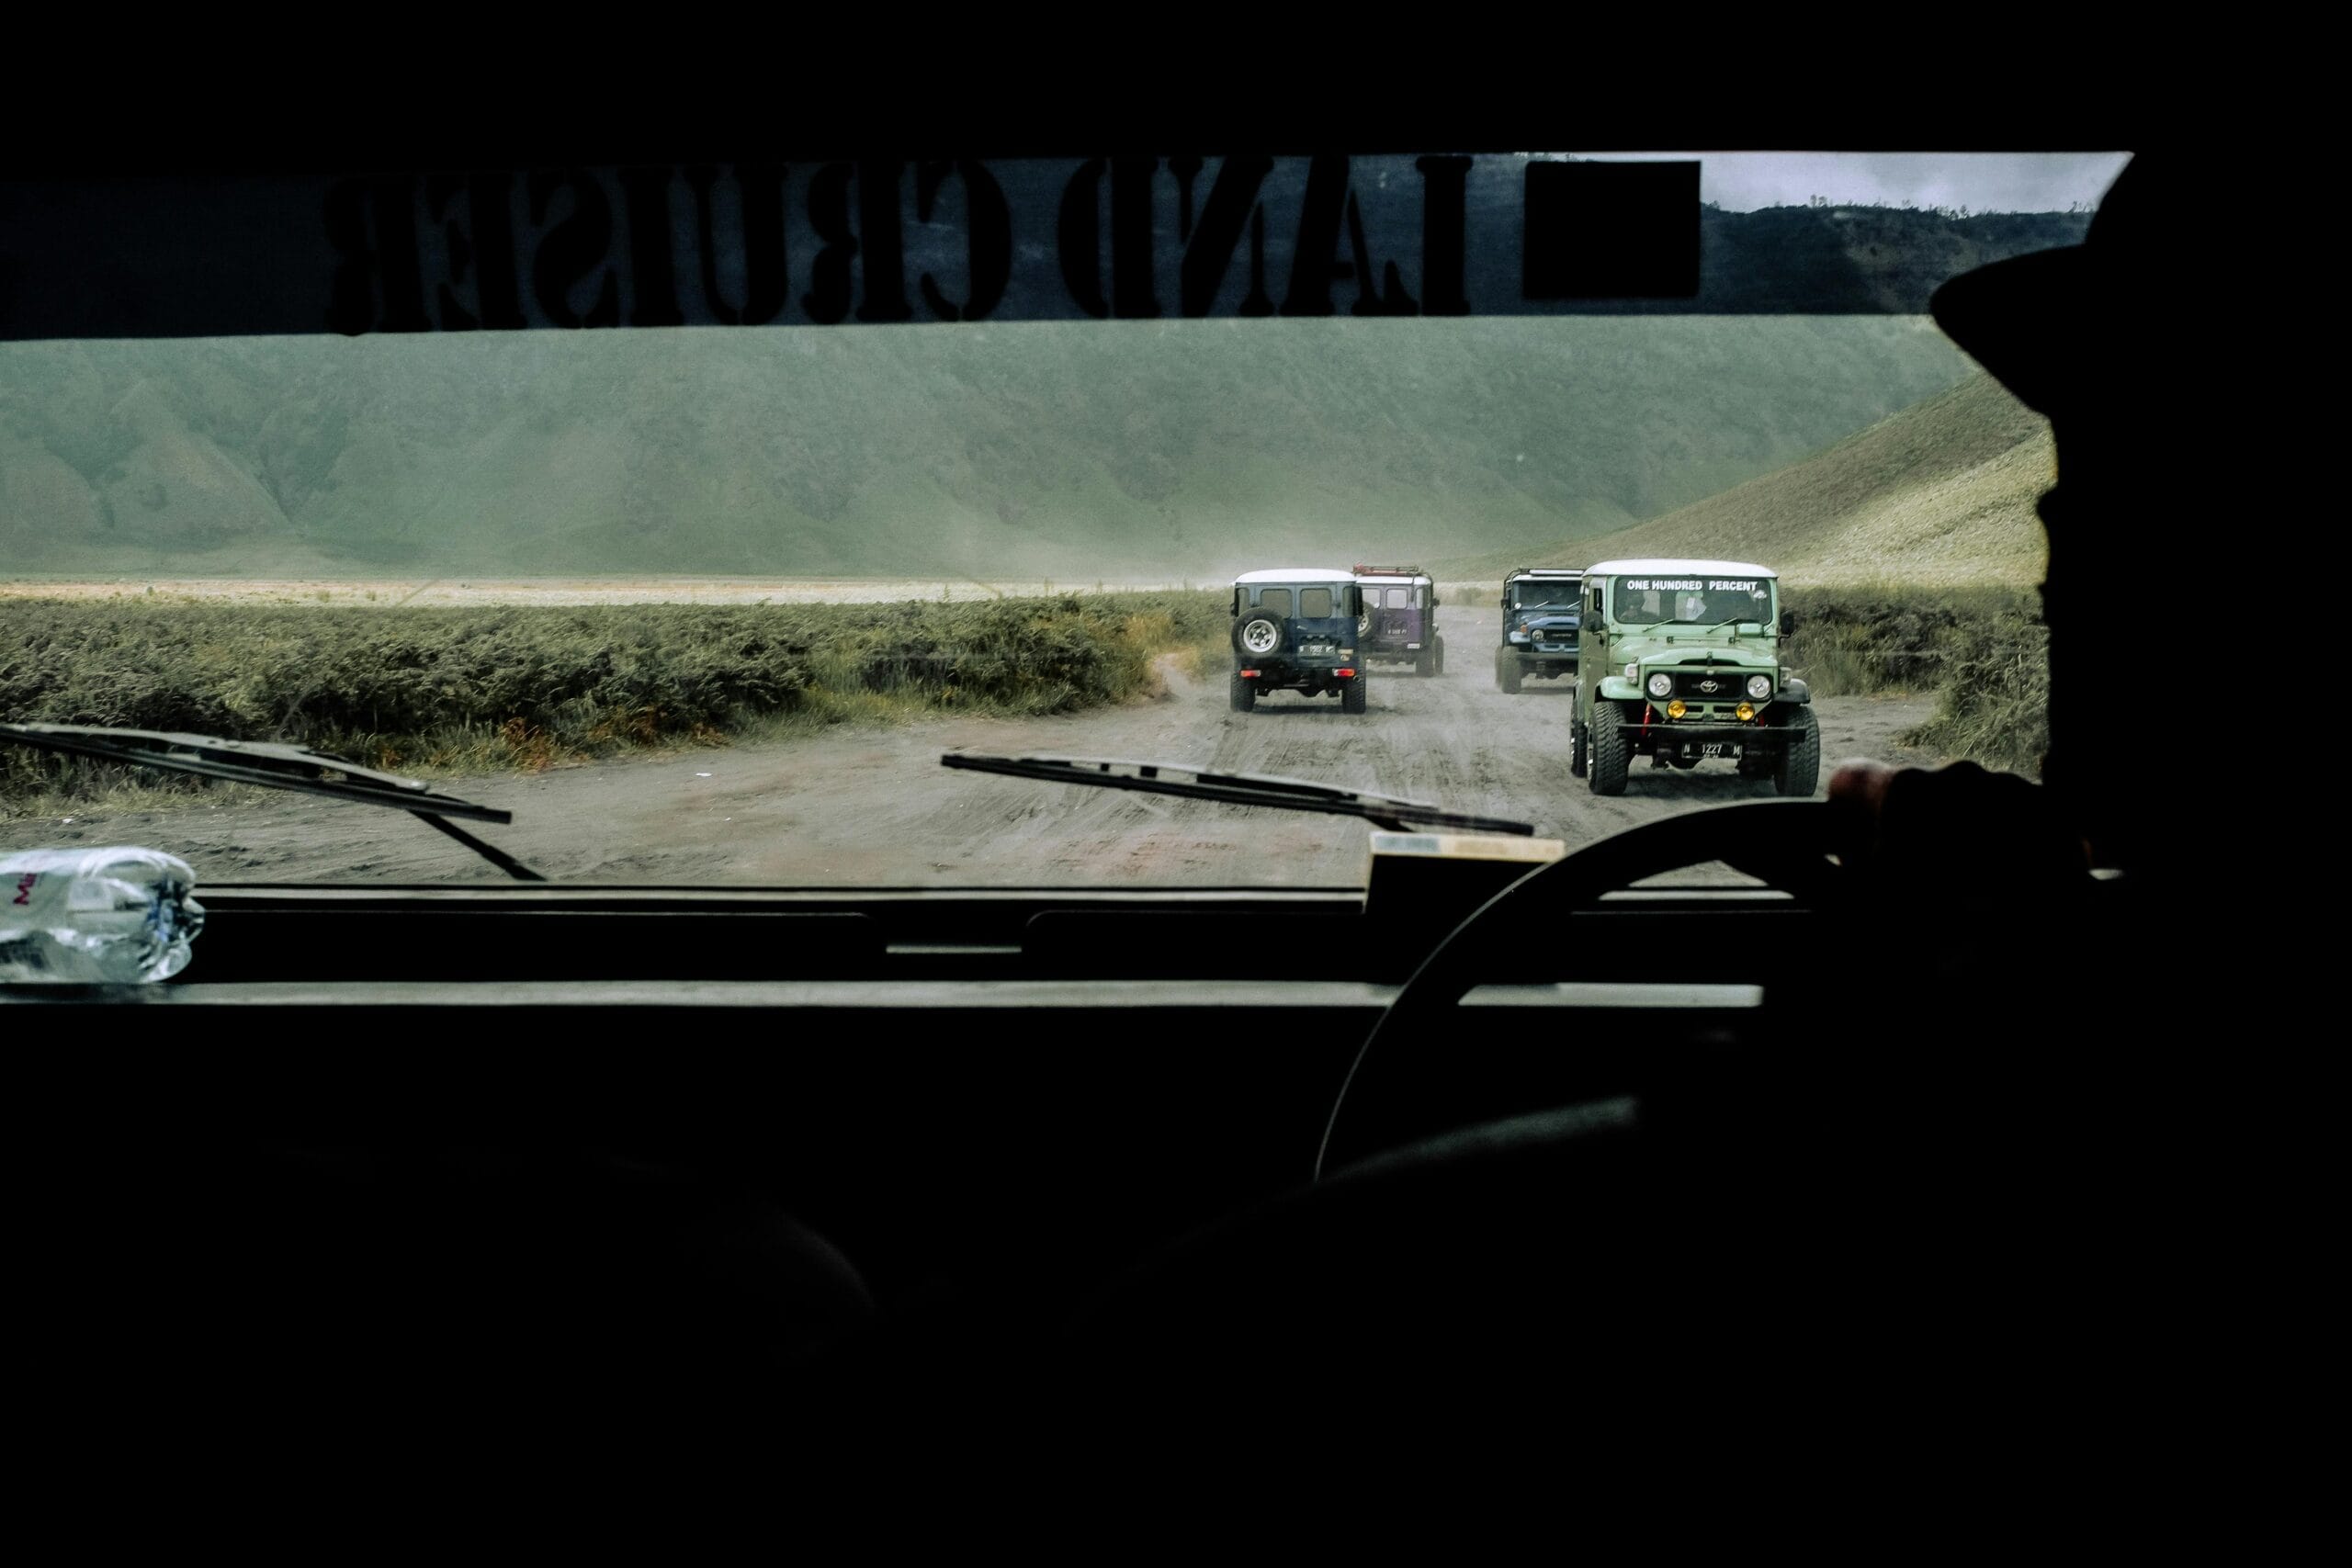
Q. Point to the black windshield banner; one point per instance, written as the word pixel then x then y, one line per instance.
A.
pixel 886 240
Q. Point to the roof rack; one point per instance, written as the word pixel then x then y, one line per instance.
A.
pixel 1387 571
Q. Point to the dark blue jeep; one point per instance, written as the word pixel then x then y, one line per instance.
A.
pixel 1295 630
pixel 1541 626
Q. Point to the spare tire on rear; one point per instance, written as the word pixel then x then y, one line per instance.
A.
pixel 1257 633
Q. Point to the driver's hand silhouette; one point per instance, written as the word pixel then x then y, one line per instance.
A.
pixel 1958 825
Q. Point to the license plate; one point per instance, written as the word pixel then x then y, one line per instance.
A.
pixel 1711 748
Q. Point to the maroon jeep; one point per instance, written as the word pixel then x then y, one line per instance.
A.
pixel 1400 619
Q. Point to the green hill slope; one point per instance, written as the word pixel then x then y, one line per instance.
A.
pixel 1940 492
pixel 1077 450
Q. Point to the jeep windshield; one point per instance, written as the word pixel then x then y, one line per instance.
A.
pixel 1543 596
pixel 701 597
pixel 1696 602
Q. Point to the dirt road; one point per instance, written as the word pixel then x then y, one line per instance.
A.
pixel 873 808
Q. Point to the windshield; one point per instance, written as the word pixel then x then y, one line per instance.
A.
pixel 703 597
pixel 1694 601
pixel 1539 594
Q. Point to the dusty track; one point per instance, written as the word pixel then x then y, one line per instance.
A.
pixel 873 808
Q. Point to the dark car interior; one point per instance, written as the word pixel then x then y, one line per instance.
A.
pixel 876 1178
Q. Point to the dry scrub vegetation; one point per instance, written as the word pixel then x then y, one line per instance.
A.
pixel 434 690
pixel 1984 652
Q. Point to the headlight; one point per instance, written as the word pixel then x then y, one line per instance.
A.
pixel 1661 684
pixel 1632 671
pixel 1347 653
pixel 1519 637
pixel 1759 686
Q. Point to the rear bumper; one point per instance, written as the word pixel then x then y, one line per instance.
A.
pixel 1299 673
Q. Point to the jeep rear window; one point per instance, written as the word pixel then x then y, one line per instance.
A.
pixel 1274 599
pixel 1314 603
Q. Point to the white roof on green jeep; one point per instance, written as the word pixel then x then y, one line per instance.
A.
pixel 1295 574
pixel 1548 571
pixel 1661 567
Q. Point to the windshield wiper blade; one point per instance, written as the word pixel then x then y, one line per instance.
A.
pixel 1239 789
pixel 274 766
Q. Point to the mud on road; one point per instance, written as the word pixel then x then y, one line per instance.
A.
pixel 873 807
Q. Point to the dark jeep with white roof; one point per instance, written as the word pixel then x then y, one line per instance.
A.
pixel 1294 629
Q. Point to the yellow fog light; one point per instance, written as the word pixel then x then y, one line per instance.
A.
pixel 1745 711
pixel 1675 708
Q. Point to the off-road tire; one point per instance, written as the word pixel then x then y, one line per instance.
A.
pixel 1507 672
pixel 1440 656
pixel 1245 695
pixel 1576 740
pixel 1609 756
pixel 1253 618
pixel 1798 772
pixel 1352 695
pixel 1425 662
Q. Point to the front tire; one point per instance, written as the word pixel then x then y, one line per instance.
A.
pixel 1245 695
pixel 1425 663
pixel 1609 755
pixel 1507 672
pixel 1352 695
pixel 1575 742
pixel 1440 656
pixel 1799 772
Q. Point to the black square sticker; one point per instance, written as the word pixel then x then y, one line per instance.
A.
pixel 1612 230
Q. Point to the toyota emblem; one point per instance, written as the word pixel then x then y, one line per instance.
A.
pixel 1707 685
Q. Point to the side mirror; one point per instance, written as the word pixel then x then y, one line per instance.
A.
pixel 1788 622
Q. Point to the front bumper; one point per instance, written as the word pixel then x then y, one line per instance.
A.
pixel 1688 736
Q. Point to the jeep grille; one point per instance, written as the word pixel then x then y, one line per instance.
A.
pixel 1712 685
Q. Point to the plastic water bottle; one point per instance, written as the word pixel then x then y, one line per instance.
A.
pixel 73 917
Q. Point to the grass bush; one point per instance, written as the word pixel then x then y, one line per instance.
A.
pixel 1984 652
pixel 426 690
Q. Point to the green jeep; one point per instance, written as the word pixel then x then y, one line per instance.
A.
pixel 1681 664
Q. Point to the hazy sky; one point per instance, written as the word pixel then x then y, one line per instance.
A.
pixel 1995 182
